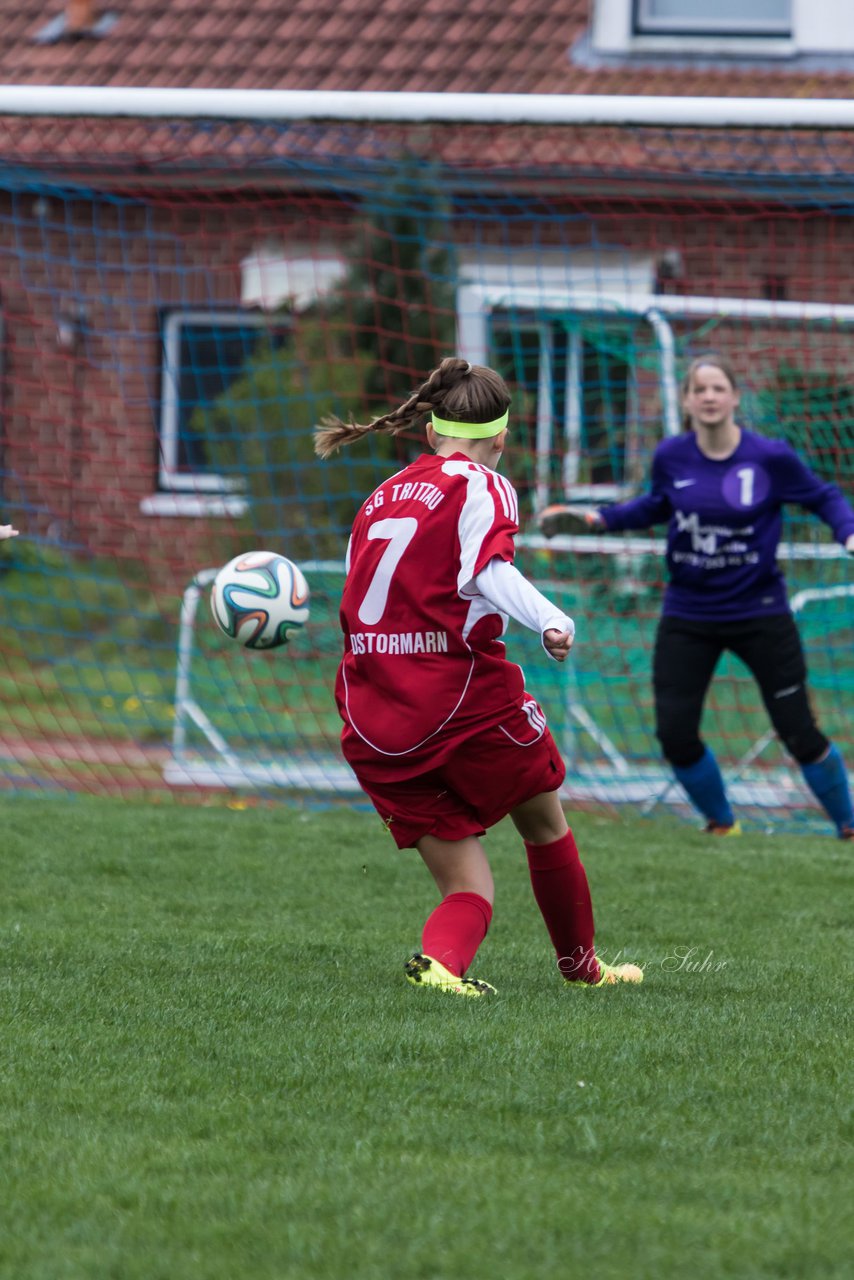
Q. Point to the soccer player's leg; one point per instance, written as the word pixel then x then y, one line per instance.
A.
pixel 515 768
pixel 684 662
pixel 773 652
pixel 562 893
pixel 455 929
pixel 425 813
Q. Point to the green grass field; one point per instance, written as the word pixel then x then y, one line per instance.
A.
pixel 211 1066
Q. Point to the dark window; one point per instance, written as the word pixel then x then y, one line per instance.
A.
pixel 204 354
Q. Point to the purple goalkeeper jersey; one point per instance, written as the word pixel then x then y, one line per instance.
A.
pixel 724 523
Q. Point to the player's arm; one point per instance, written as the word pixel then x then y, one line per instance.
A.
pixel 638 513
pixel 509 591
pixel 826 500
pixel 495 507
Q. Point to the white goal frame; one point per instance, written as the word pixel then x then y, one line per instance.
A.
pixel 784 114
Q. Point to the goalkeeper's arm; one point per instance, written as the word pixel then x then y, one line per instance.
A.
pixel 564 518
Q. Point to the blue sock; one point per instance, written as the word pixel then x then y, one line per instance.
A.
pixel 828 782
pixel 705 786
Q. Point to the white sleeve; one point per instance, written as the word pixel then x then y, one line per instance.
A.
pixel 503 586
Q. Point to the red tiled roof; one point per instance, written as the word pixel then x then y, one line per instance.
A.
pixel 474 46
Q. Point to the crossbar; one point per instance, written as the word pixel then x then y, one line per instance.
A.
pixel 459 108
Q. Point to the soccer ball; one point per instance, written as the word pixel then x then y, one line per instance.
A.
pixel 259 598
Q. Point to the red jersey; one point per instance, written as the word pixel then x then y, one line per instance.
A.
pixel 424 667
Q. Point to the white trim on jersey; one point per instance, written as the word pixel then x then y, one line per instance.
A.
pixel 477 514
pixel 482 607
pixel 509 500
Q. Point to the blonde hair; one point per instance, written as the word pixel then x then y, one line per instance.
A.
pixel 456 390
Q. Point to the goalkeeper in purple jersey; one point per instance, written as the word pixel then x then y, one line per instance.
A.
pixel 721 490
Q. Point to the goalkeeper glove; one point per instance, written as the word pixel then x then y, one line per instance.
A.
pixel 560 518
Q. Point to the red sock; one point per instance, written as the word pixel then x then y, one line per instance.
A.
pixel 455 930
pixel 563 895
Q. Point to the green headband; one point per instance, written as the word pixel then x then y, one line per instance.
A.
pixel 470 430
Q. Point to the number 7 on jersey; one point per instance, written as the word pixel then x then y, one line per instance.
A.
pixel 398 533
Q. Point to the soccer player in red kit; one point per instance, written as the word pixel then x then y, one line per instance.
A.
pixel 438 728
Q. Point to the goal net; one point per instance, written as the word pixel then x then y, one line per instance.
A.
pixel 191 281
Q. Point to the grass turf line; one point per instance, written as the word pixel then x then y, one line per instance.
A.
pixel 211 1065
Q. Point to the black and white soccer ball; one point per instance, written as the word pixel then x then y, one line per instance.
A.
pixel 259 599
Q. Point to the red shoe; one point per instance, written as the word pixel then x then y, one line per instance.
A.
pixel 846 833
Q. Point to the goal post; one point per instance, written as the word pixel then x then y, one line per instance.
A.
pixel 193 278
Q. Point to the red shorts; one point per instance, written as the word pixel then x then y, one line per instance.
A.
pixel 477 786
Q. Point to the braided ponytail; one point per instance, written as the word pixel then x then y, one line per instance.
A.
pixel 456 390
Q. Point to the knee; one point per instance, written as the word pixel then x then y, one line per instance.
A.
pixel 541 831
pixel 541 820
pixel 807 745
pixel 679 747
